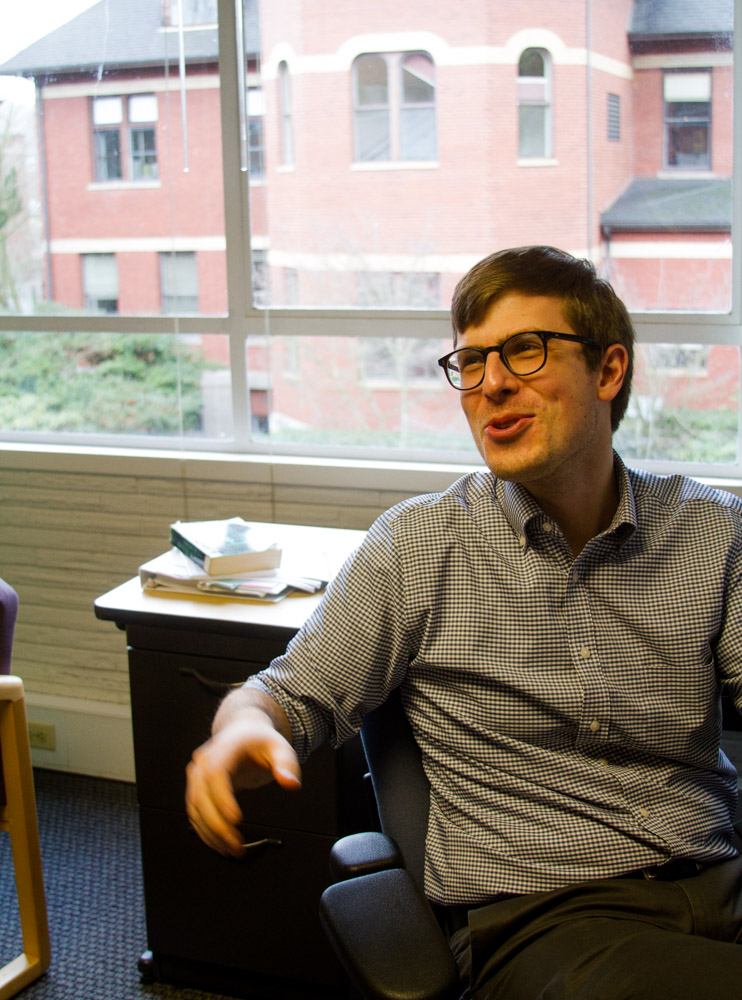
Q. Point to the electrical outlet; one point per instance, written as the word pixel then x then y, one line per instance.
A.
pixel 42 735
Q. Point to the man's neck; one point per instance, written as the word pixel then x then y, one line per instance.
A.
pixel 584 509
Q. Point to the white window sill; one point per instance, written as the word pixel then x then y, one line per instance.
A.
pixel 536 161
pixel 420 384
pixel 123 185
pixel 396 165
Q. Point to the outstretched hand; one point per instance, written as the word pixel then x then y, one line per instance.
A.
pixel 246 751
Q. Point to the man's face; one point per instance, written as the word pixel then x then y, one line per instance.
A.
pixel 543 430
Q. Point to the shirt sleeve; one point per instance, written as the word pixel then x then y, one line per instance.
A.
pixel 350 654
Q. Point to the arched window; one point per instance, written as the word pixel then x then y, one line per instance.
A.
pixel 534 104
pixel 394 107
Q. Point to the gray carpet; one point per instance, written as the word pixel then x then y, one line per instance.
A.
pixel 90 850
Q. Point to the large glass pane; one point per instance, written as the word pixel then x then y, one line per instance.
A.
pixel 157 385
pixel 363 117
pixel 109 148
pixel 684 406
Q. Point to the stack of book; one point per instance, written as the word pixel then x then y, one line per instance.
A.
pixel 224 558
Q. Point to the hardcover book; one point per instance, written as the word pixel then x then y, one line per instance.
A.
pixel 226 546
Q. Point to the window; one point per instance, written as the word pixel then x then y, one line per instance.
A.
pixel 115 118
pixel 401 141
pixel 107 119
pixel 142 109
pixel 100 282
pixel 613 117
pixel 534 104
pixel 287 131
pixel 255 112
pixel 687 102
pixel 394 102
pixel 179 282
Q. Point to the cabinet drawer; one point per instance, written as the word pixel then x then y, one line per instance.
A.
pixel 173 705
pixel 260 914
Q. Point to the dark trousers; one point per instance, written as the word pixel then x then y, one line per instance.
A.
pixel 610 939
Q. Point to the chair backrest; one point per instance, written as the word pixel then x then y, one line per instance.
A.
pixel 400 784
pixel 8 615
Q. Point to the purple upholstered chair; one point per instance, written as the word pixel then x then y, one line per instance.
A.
pixel 8 615
pixel 18 813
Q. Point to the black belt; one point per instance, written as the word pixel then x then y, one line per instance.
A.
pixel 669 871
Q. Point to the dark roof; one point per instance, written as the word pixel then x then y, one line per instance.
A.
pixel 653 204
pixel 652 19
pixel 117 34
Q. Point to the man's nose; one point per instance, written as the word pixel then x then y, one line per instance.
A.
pixel 497 375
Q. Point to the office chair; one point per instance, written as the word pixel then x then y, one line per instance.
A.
pixel 18 814
pixel 376 916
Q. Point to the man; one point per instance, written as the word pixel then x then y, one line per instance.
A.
pixel 560 629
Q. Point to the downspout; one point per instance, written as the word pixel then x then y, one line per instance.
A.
pixel 44 190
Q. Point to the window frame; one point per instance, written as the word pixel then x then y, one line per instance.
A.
pixel 669 121
pixel 545 102
pixel 126 156
pixel 395 107
pixel 243 319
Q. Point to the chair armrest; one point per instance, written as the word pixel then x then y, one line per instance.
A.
pixel 363 853
pixel 387 938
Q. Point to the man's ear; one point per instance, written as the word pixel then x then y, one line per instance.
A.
pixel 612 371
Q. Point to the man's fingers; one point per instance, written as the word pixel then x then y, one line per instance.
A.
pixel 236 757
pixel 213 811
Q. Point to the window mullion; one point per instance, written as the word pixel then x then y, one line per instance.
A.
pixel 236 217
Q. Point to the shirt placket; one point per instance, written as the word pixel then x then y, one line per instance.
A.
pixel 593 726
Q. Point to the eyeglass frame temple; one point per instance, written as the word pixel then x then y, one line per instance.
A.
pixel 545 335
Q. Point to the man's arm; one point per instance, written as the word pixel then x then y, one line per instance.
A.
pixel 250 746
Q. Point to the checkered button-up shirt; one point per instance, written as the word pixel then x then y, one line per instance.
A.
pixel 567 709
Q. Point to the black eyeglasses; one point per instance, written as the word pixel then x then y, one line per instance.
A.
pixel 522 354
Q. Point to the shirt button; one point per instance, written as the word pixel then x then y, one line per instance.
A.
pixel 595 725
pixel 585 653
pixel 644 813
pixel 603 762
pixel 548 526
pixel 522 541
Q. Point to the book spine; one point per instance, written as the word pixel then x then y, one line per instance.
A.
pixel 187 547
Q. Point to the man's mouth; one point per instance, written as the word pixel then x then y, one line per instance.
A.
pixel 505 427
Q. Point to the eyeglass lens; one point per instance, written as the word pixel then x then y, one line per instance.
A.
pixel 522 354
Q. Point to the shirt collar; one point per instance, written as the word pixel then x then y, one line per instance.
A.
pixel 521 510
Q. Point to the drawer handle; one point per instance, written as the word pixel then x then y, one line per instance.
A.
pixel 265 842
pixel 218 687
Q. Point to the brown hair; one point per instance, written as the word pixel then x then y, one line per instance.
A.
pixel 589 303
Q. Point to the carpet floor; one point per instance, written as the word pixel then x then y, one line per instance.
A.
pixel 90 849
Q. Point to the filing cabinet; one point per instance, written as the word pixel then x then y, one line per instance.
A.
pixel 244 927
